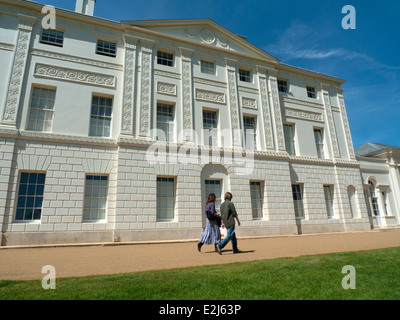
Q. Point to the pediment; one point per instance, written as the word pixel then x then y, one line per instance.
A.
pixel 204 32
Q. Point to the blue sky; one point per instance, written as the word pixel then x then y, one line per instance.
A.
pixel 306 34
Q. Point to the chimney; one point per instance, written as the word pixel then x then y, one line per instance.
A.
pixel 85 7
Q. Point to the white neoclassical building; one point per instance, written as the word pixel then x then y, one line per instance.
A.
pixel 118 131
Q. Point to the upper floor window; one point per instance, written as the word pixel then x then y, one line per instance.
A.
pixel 288 130
pixel 100 117
pixel 250 127
pixel 207 67
pixel 282 86
pixel 210 127
pixel 106 48
pixel 41 109
pixel 165 120
pixel 53 37
pixel 244 75
pixel 165 58
pixel 311 93
pixel 319 142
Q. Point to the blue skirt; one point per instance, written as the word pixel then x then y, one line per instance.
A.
pixel 211 234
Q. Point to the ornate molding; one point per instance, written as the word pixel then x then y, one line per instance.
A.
pixel 269 138
pixel 302 102
pixel 166 88
pixel 18 68
pixel 212 83
pixel 7 46
pixel 187 93
pixel 349 141
pixel 277 115
pixel 70 58
pixel 233 103
pixel 302 114
pixel 249 103
pixel 211 96
pixel 207 36
pixel 74 75
pixel 331 125
pixel 167 74
pixel 248 90
pixel 129 87
pixel 145 89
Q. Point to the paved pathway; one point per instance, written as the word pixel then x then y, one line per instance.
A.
pixel 77 261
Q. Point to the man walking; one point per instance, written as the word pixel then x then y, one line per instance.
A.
pixel 228 216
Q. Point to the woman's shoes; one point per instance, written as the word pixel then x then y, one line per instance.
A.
pixel 199 245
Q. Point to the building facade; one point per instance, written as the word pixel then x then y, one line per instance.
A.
pixel 118 131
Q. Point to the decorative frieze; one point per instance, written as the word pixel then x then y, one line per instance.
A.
pixel 61 73
pixel 75 59
pixel 187 94
pixel 208 82
pixel 25 27
pixel 277 112
pixel 266 112
pixel 249 103
pixel 302 102
pixel 345 121
pixel 6 46
pixel 166 88
pixel 145 93
pixel 129 86
pixel 233 102
pixel 211 96
pixel 167 74
pixel 331 125
pixel 248 90
pixel 302 114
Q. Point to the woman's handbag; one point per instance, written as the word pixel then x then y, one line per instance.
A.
pixel 211 217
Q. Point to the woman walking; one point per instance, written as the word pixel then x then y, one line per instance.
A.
pixel 211 234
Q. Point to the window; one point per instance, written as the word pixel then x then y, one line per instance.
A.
pixel 282 86
pixel 165 198
pixel 165 58
pixel 289 138
pixel 256 199
pixel 95 203
pixel 100 117
pixel 244 75
pixel 53 37
pixel 214 186
pixel 319 142
pixel 249 124
pixel 328 193
pixel 374 199
pixel 298 200
pixel 30 196
pixel 41 109
pixel 385 203
pixel 165 120
pixel 106 48
pixel 352 200
pixel 311 93
pixel 207 67
pixel 210 126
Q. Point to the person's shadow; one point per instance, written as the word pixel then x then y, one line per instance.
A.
pixel 231 250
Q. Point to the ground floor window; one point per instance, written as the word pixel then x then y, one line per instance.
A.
pixel 95 203
pixel 165 198
pixel 30 196
pixel 256 199
pixel 297 191
pixel 328 193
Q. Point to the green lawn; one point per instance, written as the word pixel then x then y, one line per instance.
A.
pixel 306 277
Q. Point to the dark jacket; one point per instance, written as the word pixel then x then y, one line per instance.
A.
pixel 228 213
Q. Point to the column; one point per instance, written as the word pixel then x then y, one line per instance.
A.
pixel 233 102
pixel 262 82
pixel 394 177
pixel 331 125
pixel 146 87
pixel 276 114
pixel 18 66
pixel 345 122
pixel 128 104
pixel 187 93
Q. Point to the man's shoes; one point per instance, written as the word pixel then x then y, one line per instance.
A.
pixel 219 250
pixel 239 251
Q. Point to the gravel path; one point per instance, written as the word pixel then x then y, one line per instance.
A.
pixel 86 260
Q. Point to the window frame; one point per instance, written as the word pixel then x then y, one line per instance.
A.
pixel 257 212
pixel 159 217
pixel 296 201
pixel 209 70
pixel 292 140
pixel 170 135
pixel 17 207
pixel 312 94
pixel 253 117
pixel 329 191
pixel 91 115
pixel 112 53
pixel 213 132
pixel 320 146
pixel 37 110
pixel 57 31
pixel 85 198
pixel 243 77
pixel 165 61
pixel 283 86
